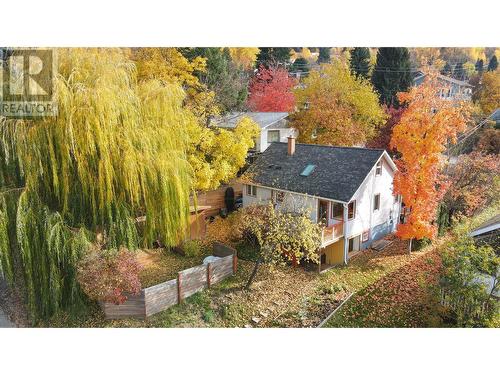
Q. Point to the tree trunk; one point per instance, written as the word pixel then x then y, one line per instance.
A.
pixel 409 245
pixel 254 272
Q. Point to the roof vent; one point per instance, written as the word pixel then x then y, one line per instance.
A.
pixel 308 170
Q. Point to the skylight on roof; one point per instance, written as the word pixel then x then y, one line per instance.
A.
pixel 308 170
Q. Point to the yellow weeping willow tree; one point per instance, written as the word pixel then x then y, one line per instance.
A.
pixel 115 151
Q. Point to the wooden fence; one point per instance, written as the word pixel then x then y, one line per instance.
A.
pixel 459 304
pixel 215 198
pixel 160 297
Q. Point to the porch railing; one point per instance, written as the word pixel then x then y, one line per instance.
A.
pixel 332 232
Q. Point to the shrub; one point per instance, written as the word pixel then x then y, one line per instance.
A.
pixel 106 275
pixel 192 248
pixel 226 230
pixel 464 266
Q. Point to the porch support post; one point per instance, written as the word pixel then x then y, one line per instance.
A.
pixel 346 242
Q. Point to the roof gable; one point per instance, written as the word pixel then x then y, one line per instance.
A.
pixel 337 175
pixel 263 119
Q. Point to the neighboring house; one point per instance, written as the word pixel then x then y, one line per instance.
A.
pixel 273 126
pixel 488 233
pixel 349 189
pixel 495 116
pixel 453 89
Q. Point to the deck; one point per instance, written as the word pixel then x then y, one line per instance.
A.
pixel 332 233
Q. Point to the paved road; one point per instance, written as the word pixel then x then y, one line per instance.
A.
pixel 4 320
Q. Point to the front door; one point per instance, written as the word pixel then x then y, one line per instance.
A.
pixel 323 212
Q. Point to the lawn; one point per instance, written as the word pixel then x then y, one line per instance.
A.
pixel 401 298
pixel 385 283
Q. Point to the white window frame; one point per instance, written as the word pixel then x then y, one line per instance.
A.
pixel 277 196
pixel 251 190
pixel 274 132
pixel 375 207
pixel 353 210
pixel 378 168
pixel 359 236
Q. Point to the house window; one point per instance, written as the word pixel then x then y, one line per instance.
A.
pixel 378 169
pixel 354 244
pixel 277 196
pixel 273 136
pixel 252 190
pixel 323 212
pixel 337 210
pixel 351 210
pixel 396 199
pixel 376 202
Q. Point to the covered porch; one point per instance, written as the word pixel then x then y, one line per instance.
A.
pixel 331 255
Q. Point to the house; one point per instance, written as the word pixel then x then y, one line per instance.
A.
pixel 273 126
pixel 488 233
pixel 348 189
pixel 453 89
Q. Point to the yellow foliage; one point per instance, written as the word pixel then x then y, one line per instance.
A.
pixel 216 155
pixel 244 56
pixel 169 65
pixel 342 110
pixel 489 98
pixel 477 53
pixel 306 53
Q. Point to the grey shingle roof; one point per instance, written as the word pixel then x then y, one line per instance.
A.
pixel 489 223
pixel 418 78
pixel 338 174
pixel 263 119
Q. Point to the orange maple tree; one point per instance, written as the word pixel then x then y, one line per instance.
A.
pixel 425 127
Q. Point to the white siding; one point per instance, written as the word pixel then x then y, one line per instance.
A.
pixel 262 143
pixel 263 196
pixel 292 201
pixel 379 221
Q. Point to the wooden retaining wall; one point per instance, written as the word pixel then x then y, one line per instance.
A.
pixel 160 297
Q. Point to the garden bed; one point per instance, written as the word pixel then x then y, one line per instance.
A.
pixel 162 265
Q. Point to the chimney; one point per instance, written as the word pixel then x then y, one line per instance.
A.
pixel 291 145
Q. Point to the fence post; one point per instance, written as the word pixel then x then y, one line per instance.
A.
pixel 235 263
pixel 209 273
pixel 179 288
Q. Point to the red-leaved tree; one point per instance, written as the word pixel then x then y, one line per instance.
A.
pixel 473 184
pixel 108 276
pixel 383 137
pixel 271 90
pixel 425 127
